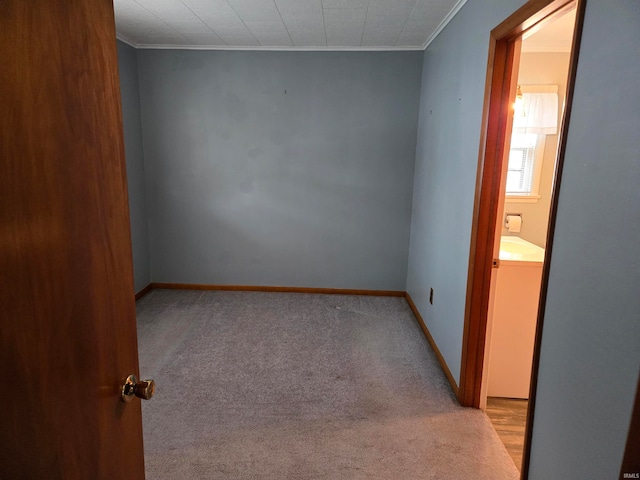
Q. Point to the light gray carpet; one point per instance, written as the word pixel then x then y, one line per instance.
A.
pixel 297 386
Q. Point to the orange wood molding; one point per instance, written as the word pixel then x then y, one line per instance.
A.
pixel 499 73
pixel 143 292
pixel 432 342
pixel 631 459
pixel 530 17
pixel 278 289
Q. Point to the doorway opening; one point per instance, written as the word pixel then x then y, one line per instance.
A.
pixel 516 199
pixel 521 229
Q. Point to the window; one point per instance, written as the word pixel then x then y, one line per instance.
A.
pixel 525 164
pixel 535 117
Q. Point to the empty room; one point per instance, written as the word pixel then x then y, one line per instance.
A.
pixel 262 238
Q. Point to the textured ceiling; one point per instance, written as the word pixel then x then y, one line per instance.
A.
pixel 293 24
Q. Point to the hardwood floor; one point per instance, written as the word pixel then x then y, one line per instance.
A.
pixel 509 417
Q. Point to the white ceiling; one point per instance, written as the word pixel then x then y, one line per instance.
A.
pixel 283 24
pixel 552 37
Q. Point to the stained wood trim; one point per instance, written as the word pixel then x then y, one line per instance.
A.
pixel 143 292
pixel 533 14
pixel 432 342
pixel 468 347
pixel 555 195
pixel 485 218
pixel 279 289
pixel 631 460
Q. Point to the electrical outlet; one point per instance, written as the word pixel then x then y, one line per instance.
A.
pixel 431 296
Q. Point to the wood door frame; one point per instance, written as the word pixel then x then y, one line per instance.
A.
pixel 498 96
pixel 631 459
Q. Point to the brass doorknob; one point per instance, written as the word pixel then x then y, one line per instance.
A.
pixel 132 387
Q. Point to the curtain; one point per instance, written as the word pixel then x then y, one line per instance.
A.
pixel 539 112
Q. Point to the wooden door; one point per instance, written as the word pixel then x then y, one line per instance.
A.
pixel 68 334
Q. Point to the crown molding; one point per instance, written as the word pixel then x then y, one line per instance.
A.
pixel 278 49
pixel 456 8
pixel 124 39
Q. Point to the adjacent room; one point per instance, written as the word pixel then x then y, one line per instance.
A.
pixel 302 178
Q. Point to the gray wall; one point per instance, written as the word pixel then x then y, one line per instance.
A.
pixel 590 355
pixel 453 79
pixel 591 339
pixel 280 168
pixel 128 67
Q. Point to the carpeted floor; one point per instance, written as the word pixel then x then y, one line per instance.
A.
pixel 298 386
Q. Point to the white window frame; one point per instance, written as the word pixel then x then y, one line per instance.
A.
pixel 533 195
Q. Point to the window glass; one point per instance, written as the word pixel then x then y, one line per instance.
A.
pixel 522 156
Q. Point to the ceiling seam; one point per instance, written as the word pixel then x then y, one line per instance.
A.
pixel 283 23
pixel 364 25
pixel 245 25
pixel 405 23
pixel 203 22
pixel 160 18
pixel 324 24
